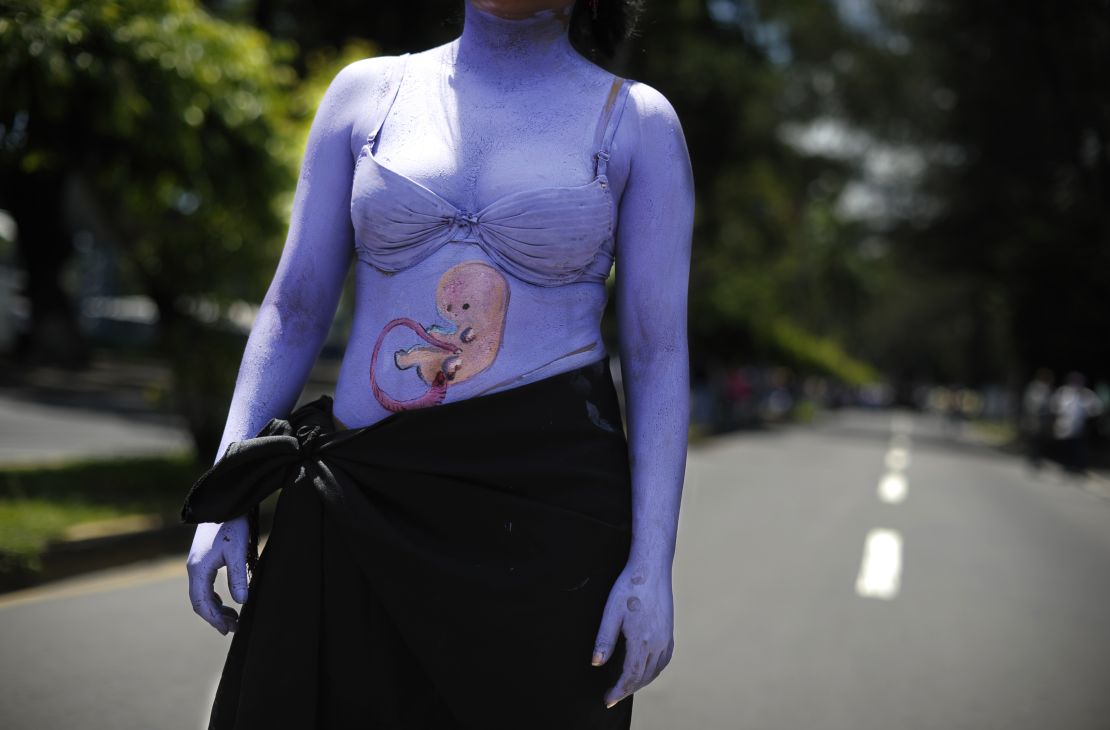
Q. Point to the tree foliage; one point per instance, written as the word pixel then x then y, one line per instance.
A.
pixel 186 131
pixel 775 275
pixel 998 250
pixel 152 103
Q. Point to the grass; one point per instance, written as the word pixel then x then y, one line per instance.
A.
pixel 27 526
pixel 39 504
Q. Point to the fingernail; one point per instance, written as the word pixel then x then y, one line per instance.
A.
pixel 610 704
pixel 599 657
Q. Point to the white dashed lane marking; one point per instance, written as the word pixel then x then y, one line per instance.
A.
pixel 880 574
pixel 893 487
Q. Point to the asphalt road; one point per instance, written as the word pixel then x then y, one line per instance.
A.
pixel 34 432
pixel 870 571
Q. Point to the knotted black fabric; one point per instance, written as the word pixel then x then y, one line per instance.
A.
pixel 445 567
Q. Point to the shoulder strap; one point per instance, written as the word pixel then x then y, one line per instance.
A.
pixel 397 74
pixel 607 125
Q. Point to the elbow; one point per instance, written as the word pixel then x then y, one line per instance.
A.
pixel 649 341
pixel 294 320
pixel 655 355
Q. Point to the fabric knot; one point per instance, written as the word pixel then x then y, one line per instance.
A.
pixel 309 439
pixel 463 218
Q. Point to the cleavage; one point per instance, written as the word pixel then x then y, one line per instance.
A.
pixel 481 168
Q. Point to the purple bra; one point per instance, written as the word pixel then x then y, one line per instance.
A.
pixel 545 236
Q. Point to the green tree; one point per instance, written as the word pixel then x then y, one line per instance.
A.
pixel 187 131
pixel 998 256
pixel 775 275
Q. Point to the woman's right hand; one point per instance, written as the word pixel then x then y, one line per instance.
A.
pixel 217 544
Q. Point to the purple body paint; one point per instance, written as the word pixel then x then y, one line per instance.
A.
pixel 507 107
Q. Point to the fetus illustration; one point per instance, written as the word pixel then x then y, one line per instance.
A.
pixel 474 297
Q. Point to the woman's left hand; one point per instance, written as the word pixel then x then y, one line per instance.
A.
pixel 641 606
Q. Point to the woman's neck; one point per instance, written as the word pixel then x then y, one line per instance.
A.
pixel 510 48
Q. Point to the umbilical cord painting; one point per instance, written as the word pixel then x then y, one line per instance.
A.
pixel 474 298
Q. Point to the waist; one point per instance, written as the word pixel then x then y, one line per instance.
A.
pixel 452 329
pixel 400 377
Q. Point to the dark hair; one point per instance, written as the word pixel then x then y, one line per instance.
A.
pixel 602 36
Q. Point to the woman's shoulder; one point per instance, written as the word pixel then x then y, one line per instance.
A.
pixel 359 89
pixel 648 121
pixel 649 106
pixel 375 73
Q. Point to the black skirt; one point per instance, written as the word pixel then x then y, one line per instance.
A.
pixel 442 568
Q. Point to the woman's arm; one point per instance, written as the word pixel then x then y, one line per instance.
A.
pixel 652 271
pixel 300 303
pixel 292 322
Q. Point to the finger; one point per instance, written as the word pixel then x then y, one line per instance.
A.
pixel 662 661
pixel 665 659
pixel 206 602
pixel 236 577
pixel 229 615
pixel 634 660
pixel 650 669
pixel 607 634
pixel 669 654
pixel 231 618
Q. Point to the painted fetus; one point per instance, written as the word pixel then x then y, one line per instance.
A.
pixel 474 296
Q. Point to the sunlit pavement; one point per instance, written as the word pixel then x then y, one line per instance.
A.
pixel 35 432
pixel 866 572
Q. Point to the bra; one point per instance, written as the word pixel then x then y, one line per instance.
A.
pixel 545 236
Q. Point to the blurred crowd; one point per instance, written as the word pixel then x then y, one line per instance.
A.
pixel 1055 418
pixel 725 399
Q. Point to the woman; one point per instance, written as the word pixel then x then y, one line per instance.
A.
pixel 465 525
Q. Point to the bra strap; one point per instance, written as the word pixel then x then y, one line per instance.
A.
pixel 397 74
pixel 607 125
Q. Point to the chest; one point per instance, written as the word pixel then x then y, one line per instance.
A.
pixel 473 143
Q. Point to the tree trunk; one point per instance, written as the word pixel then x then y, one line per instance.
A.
pixel 45 247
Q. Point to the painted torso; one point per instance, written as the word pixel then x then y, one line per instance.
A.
pixel 508 108
pixel 472 136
